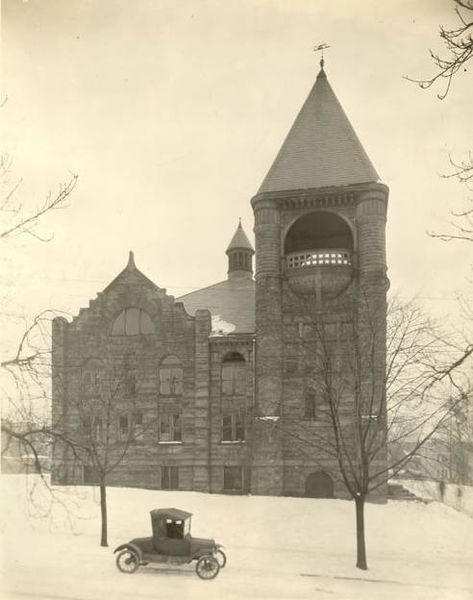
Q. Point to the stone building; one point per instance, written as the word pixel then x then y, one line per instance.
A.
pixel 210 391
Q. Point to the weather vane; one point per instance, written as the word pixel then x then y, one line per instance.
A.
pixel 320 48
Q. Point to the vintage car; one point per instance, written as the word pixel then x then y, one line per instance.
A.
pixel 171 543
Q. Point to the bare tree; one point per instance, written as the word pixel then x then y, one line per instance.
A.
pixel 100 423
pixel 458 42
pixel 355 410
pixel 25 422
pixel 15 218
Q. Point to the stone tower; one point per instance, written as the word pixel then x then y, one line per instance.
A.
pixel 321 282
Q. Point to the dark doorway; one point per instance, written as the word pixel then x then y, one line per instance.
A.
pixel 319 485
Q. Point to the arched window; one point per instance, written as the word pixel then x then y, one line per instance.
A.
pixel 132 321
pixel 170 376
pixel 233 374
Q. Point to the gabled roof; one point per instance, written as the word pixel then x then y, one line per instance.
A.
pixel 240 240
pixel 321 149
pixel 131 275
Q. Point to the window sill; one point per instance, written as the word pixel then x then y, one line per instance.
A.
pixel 233 442
pixel 171 442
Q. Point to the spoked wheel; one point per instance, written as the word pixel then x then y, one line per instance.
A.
pixel 221 557
pixel 127 561
pixel 207 567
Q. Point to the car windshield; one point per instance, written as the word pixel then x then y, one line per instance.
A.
pixel 177 528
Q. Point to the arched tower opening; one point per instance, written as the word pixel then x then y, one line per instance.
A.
pixel 318 238
pixel 318 251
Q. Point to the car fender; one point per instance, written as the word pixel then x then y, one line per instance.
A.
pixel 130 546
pixel 219 546
pixel 201 552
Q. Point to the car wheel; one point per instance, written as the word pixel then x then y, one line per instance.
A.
pixel 221 557
pixel 127 561
pixel 207 567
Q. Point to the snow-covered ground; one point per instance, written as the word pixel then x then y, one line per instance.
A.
pixel 456 496
pixel 278 548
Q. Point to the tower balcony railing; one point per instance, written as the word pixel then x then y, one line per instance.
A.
pixel 319 258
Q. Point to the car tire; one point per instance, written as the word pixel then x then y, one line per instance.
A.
pixel 221 557
pixel 127 561
pixel 207 567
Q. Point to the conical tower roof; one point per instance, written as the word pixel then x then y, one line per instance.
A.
pixel 321 149
pixel 240 240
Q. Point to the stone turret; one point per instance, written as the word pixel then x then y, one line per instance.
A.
pixel 320 217
pixel 240 255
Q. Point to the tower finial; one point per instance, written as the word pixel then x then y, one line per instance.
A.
pixel 131 261
pixel 320 48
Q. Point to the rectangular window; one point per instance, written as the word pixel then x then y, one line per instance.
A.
pixel 169 478
pixel 233 428
pixel 170 381
pixel 123 429
pixel 233 380
pixel 87 426
pixel 97 379
pixel 330 331
pixel 347 331
pixel 233 478
pixel 98 429
pixel 310 405
pixel 138 426
pixel 170 428
pixel 93 427
pixel 130 383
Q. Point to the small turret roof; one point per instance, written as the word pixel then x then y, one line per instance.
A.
pixel 321 148
pixel 240 240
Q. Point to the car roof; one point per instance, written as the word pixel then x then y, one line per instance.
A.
pixel 170 513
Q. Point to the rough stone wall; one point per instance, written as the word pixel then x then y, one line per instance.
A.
pixel 267 461
pixel 230 453
pixel 176 333
pixel 295 328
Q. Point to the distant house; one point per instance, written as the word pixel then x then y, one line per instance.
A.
pixel 441 458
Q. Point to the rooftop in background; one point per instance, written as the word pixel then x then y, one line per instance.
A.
pixel 321 148
pixel 231 302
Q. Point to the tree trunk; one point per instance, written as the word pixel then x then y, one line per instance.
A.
pixel 103 512
pixel 360 533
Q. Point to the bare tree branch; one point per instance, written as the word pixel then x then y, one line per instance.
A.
pixel 458 43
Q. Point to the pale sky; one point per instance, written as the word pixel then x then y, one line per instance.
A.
pixel 172 111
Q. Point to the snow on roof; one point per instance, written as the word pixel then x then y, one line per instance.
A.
pixel 221 327
pixel 231 302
